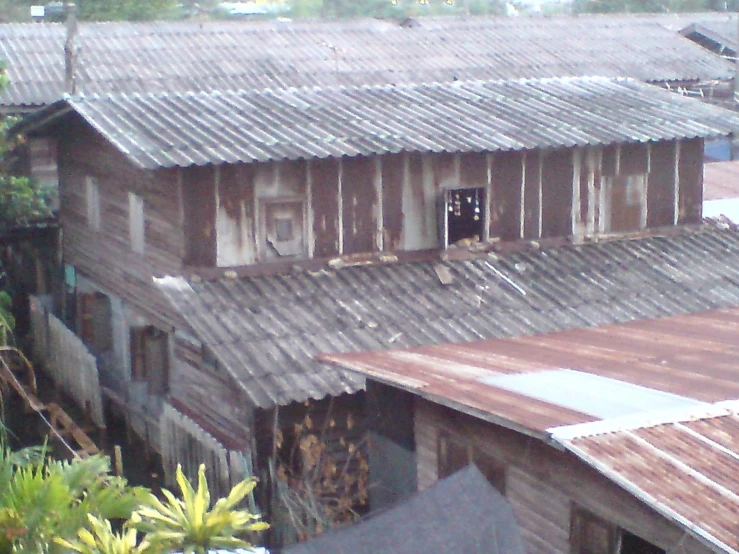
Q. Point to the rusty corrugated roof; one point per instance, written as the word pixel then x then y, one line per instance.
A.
pixel 206 56
pixel 267 330
pixel 474 116
pixel 721 180
pixel 686 468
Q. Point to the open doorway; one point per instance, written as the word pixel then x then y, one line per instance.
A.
pixel 463 215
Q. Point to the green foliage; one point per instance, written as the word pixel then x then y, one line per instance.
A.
pixel 190 524
pixel 42 499
pixel 22 200
pixel 125 10
pixel 101 539
pixel 652 6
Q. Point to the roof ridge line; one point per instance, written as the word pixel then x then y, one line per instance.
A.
pixel 653 418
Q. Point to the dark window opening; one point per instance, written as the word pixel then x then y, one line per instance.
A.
pixel 150 358
pixel 454 454
pixel 283 229
pixel 464 215
pixel 631 544
pixel 591 534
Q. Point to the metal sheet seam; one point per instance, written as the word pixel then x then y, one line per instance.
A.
pixel 645 497
pixel 685 468
pixel 707 441
pixel 639 421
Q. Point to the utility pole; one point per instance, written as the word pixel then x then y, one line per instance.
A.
pixel 70 11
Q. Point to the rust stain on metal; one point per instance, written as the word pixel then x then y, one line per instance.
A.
pixel 675 355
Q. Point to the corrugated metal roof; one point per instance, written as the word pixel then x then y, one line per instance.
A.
pixel 721 32
pixel 267 330
pixel 686 469
pixel 591 394
pixel 212 128
pixel 721 180
pixel 206 56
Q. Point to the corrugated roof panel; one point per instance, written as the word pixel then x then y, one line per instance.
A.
pixel 595 395
pixel 404 305
pixel 214 128
pixel 206 56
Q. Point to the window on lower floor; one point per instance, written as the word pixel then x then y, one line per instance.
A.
pixel 454 453
pixel 150 358
pixel 591 534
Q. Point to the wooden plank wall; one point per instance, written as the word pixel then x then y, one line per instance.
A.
pixel 391 203
pixel 105 256
pixel 542 483
pixel 211 398
pixel 66 360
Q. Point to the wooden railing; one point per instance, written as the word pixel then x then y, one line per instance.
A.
pixel 66 360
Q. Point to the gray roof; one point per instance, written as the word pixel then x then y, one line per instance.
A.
pixel 212 128
pixel 204 56
pixel 723 32
pixel 266 331
pixel 462 513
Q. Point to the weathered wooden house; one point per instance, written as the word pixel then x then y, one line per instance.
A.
pixel 618 439
pixel 216 187
pixel 206 236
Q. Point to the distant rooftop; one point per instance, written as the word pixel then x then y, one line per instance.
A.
pixel 207 56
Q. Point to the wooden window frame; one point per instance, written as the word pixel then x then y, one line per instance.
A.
pixel 295 248
pixel 467 453
pixel 141 338
pixel 93 203
pixel 136 222
pixel 582 517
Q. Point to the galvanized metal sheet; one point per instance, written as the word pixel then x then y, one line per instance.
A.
pixel 595 395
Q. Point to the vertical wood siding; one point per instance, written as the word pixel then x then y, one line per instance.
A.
pixel 505 199
pixel 542 484
pixel 661 187
pixel 557 175
pixel 393 179
pixel 235 225
pixel 325 202
pixel 199 203
pixel 358 201
pixel 105 256
pixel 691 181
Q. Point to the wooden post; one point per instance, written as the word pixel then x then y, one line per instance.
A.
pixel 118 457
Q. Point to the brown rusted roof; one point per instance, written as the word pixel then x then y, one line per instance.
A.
pixel 721 180
pixel 686 468
pixel 655 404
pixel 207 56
pixel 694 357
